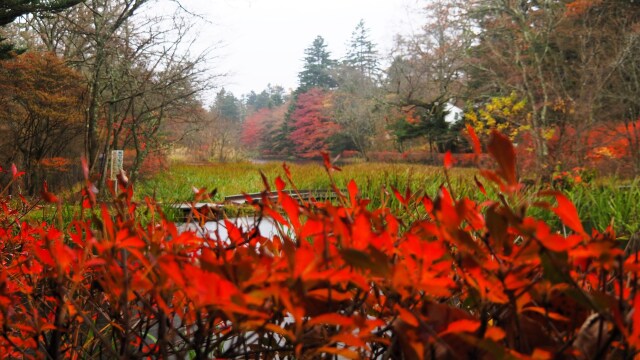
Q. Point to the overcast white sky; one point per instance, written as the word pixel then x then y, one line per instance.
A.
pixel 264 40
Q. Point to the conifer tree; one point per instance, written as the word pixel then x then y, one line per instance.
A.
pixel 317 67
pixel 362 53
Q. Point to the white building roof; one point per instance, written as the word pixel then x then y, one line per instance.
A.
pixel 455 113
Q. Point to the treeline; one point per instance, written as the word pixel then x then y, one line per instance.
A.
pixel 87 77
pixel 560 77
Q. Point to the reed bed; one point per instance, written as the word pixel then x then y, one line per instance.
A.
pixel 600 203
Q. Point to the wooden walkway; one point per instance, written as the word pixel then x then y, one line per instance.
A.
pixel 214 210
pixel 273 195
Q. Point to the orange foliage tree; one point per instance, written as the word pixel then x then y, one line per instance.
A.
pixel 41 112
pixel 455 279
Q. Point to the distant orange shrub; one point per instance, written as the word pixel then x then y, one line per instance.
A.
pixel 56 163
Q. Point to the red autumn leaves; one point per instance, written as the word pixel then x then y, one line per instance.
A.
pixel 447 278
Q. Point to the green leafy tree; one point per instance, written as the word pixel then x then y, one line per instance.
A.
pixel 277 95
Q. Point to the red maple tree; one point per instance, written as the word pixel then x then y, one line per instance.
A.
pixel 312 126
pixel 258 127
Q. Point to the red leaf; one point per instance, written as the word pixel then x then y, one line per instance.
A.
pixel 448 160
pixel 407 316
pixel 14 171
pixel 634 337
pixel 265 181
pixel 479 185
pixel 463 325
pixel 349 340
pixel 327 162
pixel 502 151
pixel 275 216
pixel 556 242
pixel 353 191
pixel 280 184
pixel 131 243
pixel 85 168
pixel 331 319
pixel 495 334
pixel 279 330
pixel 567 213
pixel 48 196
pixel 427 203
pixel 287 170
pixel 235 234
pixel 198 193
pixel 546 313
pixel 292 208
pixel 400 198
pixel 340 353
pixel 477 149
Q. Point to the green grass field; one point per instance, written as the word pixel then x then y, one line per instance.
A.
pixel 235 178
pixel 599 204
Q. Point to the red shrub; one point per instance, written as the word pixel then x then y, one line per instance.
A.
pixel 606 148
pixel 153 164
pixel 458 279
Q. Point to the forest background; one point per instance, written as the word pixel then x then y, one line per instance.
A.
pixel 561 78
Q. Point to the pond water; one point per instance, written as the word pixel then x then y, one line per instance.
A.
pixel 266 226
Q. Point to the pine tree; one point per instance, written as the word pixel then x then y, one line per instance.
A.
pixel 227 106
pixel 272 96
pixel 317 67
pixel 362 53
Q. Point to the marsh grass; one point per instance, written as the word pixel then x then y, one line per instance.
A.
pixel 609 201
pixel 177 184
pixel 599 204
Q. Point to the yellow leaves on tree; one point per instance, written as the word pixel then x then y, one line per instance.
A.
pixel 506 114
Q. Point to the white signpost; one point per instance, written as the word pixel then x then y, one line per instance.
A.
pixel 117 157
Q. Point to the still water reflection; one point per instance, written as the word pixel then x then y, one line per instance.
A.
pixel 266 226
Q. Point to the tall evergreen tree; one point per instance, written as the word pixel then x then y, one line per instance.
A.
pixel 362 53
pixel 227 106
pixel 272 96
pixel 317 67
